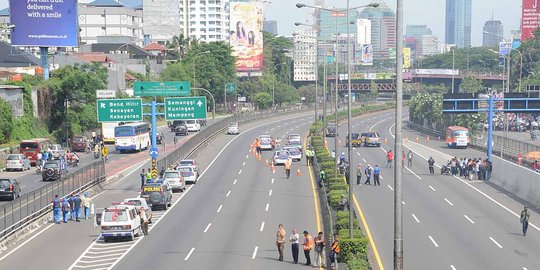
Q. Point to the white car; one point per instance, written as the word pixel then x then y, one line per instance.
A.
pixel 193 125
pixel 175 179
pixel 189 174
pixel 141 202
pixel 280 157
pixel 294 138
pixel 17 162
pixel 294 153
pixel 121 220
pixel 191 163
pixel 232 128
pixel 266 142
pixel 57 151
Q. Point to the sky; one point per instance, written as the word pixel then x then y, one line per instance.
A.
pixel 429 12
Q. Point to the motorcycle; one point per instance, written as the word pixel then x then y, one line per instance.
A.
pixel 39 170
pixel 73 162
pixel 445 169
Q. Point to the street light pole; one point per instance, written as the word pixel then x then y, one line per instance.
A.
pixel 398 170
pixel 336 155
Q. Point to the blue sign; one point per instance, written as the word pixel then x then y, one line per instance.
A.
pixel 154 152
pixel 504 48
pixel 44 23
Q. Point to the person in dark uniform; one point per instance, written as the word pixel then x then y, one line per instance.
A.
pixel 524 218
pixel 358 174
pixel 431 162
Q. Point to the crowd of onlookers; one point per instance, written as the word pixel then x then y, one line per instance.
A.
pixel 471 168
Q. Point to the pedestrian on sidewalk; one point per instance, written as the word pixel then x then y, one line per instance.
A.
pixel 308 246
pixel 288 163
pixel 335 250
pixel 143 178
pixel 431 163
pixel 144 221
pixel 77 207
pixel 65 210
pixel 57 206
pixel 320 257
pixel 524 218
pixel 280 240
pixel 87 203
pixel 368 174
pixel 409 158
pixel 376 175
pixel 295 245
pixel 359 174
pixel 389 158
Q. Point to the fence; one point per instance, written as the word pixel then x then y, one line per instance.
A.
pixel 33 205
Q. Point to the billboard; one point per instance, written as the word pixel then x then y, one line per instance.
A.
pixel 504 48
pixel 246 37
pixel 406 57
pixel 530 18
pixel 44 23
pixel 367 55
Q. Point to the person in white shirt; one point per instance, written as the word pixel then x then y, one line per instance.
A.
pixel 294 239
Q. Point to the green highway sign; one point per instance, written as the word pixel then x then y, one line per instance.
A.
pixel 168 89
pixel 230 87
pixel 185 108
pixel 119 110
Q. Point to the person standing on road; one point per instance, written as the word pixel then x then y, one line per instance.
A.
pixel 149 174
pixel 409 158
pixel 319 250
pixel 144 221
pixel 431 162
pixel 535 166
pixel 104 152
pixel 358 174
pixel 524 218
pixel 489 168
pixel 335 250
pixel 308 245
pixel 280 241
pixel 376 175
pixel 389 158
pixel 258 145
pixel 288 163
pixel 368 172
pixel 143 178
pixel 87 203
pixel 403 157
pixel 71 202
pixel 77 207
pixel 65 210
pixel 294 239
pixel 57 205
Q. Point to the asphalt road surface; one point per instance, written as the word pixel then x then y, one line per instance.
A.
pixel 228 220
pixel 448 222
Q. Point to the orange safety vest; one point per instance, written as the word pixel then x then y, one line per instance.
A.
pixel 288 164
pixel 309 245
pixel 258 143
pixel 335 247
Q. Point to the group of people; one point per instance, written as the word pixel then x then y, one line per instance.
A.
pixel 308 243
pixel 369 171
pixel 471 168
pixel 69 158
pixel 69 208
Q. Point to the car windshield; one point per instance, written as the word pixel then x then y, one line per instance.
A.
pixel 52 165
pixel 282 153
pixel 186 162
pixel 294 151
pixel 115 215
pixel 78 139
pixel 186 171
pixel 4 183
pixel 233 125
pixel 373 135
pixel 355 136
pixel 135 202
pixel 170 175
pixel 13 157
pixel 190 121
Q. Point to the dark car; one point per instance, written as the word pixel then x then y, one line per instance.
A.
pixel 157 194
pixel 181 130
pixel 9 188
pixel 53 171
pixel 160 137
pixel 202 122
pixel 331 131
pixel 79 143
pixel 176 123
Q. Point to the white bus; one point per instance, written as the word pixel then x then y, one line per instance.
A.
pixel 132 137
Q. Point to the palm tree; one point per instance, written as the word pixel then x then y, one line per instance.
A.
pixel 180 45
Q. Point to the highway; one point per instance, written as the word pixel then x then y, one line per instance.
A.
pixel 449 223
pixel 228 220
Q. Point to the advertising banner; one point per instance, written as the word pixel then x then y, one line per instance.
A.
pixel 530 18
pixel 367 55
pixel 406 57
pixel 44 23
pixel 246 37
pixel 504 48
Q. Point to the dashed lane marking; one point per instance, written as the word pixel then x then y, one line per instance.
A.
pixel 235 180
pixel 228 193
pixel 262 226
pixel 207 227
pixel 266 209
pixel 272 180
pixel 415 218
pixel 240 172
pixel 495 242
pixel 270 193
pixel 432 188
pixel 254 252
pixel 189 254
pixel 390 187
pixel 470 220
pixel 419 178
pixel 433 241
pixel 452 267
pixel 244 164
pixel 449 202
pixel 219 208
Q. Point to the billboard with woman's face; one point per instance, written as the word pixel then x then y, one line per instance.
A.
pixel 246 37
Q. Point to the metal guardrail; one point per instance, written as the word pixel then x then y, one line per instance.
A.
pixel 35 204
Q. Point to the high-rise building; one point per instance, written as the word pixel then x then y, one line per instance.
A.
pixel 109 18
pixel 493 33
pixel 205 20
pixel 429 45
pixel 270 26
pixel 418 30
pixel 305 55
pixel 363 31
pixel 458 23
pixel 383 29
pixel 328 23
pixel 162 19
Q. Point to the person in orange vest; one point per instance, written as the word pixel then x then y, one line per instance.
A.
pixel 258 145
pixel 288 163
pixel 335 250
pixel 308 246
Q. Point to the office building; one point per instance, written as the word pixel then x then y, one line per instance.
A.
pixel 429 45
pixel 418 31
pixel 383 29
pixel 205 20
pixel 162 19
pixel 493 32
pixel 305 55
pixel 110 19
pixel 363 31
pixel 328 21
pixel 458 23
pixel 270 26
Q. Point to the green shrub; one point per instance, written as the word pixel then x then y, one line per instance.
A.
pixel 341 186
pixel 358 263
pixel 335 197
pixel 351 248
pixel 344 224
pixel 344 233
pixel 335 180
pixel 342 214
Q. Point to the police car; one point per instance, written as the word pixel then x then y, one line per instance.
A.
pixel 121 220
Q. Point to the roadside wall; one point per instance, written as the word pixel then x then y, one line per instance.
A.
pixel 520 181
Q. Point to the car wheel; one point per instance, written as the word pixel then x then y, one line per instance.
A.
pixel 12 197
pixel 106 239
pixel 166 206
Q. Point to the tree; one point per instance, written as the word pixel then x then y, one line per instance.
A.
pixel 179 45
pixel 308 92
pixel 263 100
pixel 471 84
pixel 6 120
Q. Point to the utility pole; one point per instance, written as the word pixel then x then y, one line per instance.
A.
pixel 336 155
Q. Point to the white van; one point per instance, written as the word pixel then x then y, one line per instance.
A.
pixel 193 125
pixel 121 220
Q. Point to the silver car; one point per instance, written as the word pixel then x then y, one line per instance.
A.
pixel 232 128
pixel 189 174
pixel 175 179
pixel 17 162
pixel 294 153
pixel 57 151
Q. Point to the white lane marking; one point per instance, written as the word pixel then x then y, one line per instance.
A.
pixel 247 156
pixel 448 201
pixel 376 124
pixel 240 172
pixel 470 220
pixel 433 241
pixel 452 267
pixel 266 209
pixel 364 160
pixel 262 226
pixel 272 129
pixel 278 126
pixel 380 176
pixel 524 268
pixel 235 180
pixel 390 187
pixel 189 254
pixel 415 218
pixel 272 180
pixel 495 242
pixel 419 178
pixel 432 188
pixel 270 193
pixel 208 227
pixel 219 209
pixel 228 193
pixel 358 154
pixel 244 164
pixel 255 252
pixel 402 202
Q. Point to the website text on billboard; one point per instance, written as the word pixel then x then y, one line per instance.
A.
pixel 246 37
pixel 530 18
pixel 44 23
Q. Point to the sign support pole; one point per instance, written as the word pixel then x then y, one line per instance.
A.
pixel 490 129
pixel 44 57
pixel 154 130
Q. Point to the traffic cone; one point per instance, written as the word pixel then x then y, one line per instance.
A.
pixel 273 167
pixel 428 138
pixel 298 173
pixel 417 140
